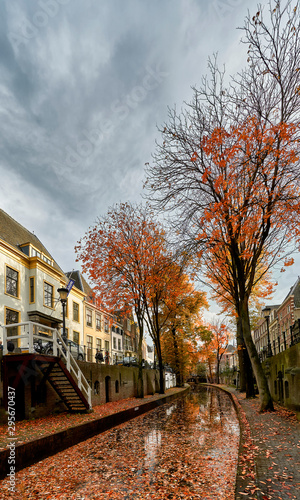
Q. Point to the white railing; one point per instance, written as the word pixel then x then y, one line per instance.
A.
pixel 23 336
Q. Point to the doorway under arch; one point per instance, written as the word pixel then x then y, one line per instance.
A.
pixel 107 389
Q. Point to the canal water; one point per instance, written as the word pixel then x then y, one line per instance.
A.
pixel 186 449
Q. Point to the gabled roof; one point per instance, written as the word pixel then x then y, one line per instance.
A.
pixel 81 283
pixel 295 291
pixel 15 234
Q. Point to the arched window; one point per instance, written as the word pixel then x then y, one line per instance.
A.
pixel 96 387
pixel 286 389
pixel 117 386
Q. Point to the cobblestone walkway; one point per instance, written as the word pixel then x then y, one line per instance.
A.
pixel 276 439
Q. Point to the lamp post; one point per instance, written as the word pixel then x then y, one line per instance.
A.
pixel 63 294
pixel 266 311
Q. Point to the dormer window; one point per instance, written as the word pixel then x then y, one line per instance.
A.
pixel 25 249
pixel 47 260
pixel 35 253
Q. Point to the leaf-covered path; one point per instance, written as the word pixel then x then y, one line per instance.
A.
pixel 186 449
pixel 273 444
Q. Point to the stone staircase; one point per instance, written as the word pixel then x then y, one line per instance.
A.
pixel 65 386
pixel 61 371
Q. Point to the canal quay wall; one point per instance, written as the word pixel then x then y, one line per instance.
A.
pixel 116 382
pixel 109 383
pixel 31 452
pixel 283 374
pixel 244 481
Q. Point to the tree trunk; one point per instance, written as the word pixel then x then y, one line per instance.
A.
pixel 160 366
pixel 179 382
pixel 249 382
pixel 240 347
pixel 261 380
pixel 246 372
pixel 210 372
pixel 140 381
pixel 161 377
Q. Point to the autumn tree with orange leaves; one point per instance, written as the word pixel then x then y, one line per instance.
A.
pixel 223 291
pixel 164 280
pixel 180 314
pixel 219 340
pixel 119 254
pixel 228 166
pixel 207 353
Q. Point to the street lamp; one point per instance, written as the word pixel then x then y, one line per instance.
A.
pixel 63 294
pixel 266 311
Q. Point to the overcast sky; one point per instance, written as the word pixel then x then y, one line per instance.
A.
pixel 83 87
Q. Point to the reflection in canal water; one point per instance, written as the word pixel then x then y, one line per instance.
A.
pixel 186 449
pixel 200 439
pixel 152 443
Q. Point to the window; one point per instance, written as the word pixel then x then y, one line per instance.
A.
pixel 35 253
pixel 25 249
pixel 89 341
pixel 98 322
pixel 106 325
pixel 76 337
pixel 107 345
pixel 286 389
pixel 76 312
pixel 31 289
pixel 11 317
pixel 12 282
pixel 98 344
pixel 115 342
pixel 48 295
pixel 88 317
pixel 119 344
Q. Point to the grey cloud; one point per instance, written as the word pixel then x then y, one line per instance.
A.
pixel 95 80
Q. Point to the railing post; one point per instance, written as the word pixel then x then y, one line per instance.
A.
pixel 30 338
pixel 68 359
pixel 90 397
pixel 4 339
pixel 54 343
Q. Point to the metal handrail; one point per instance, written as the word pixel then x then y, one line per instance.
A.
pixel 59 347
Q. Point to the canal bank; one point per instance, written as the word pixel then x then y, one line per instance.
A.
pixel 268 466
pixel 184 449
pixel 30 452
pixel 269 452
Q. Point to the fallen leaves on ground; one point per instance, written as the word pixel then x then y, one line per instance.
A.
pixel 273 445
pixel 27 430
pixel 186 449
